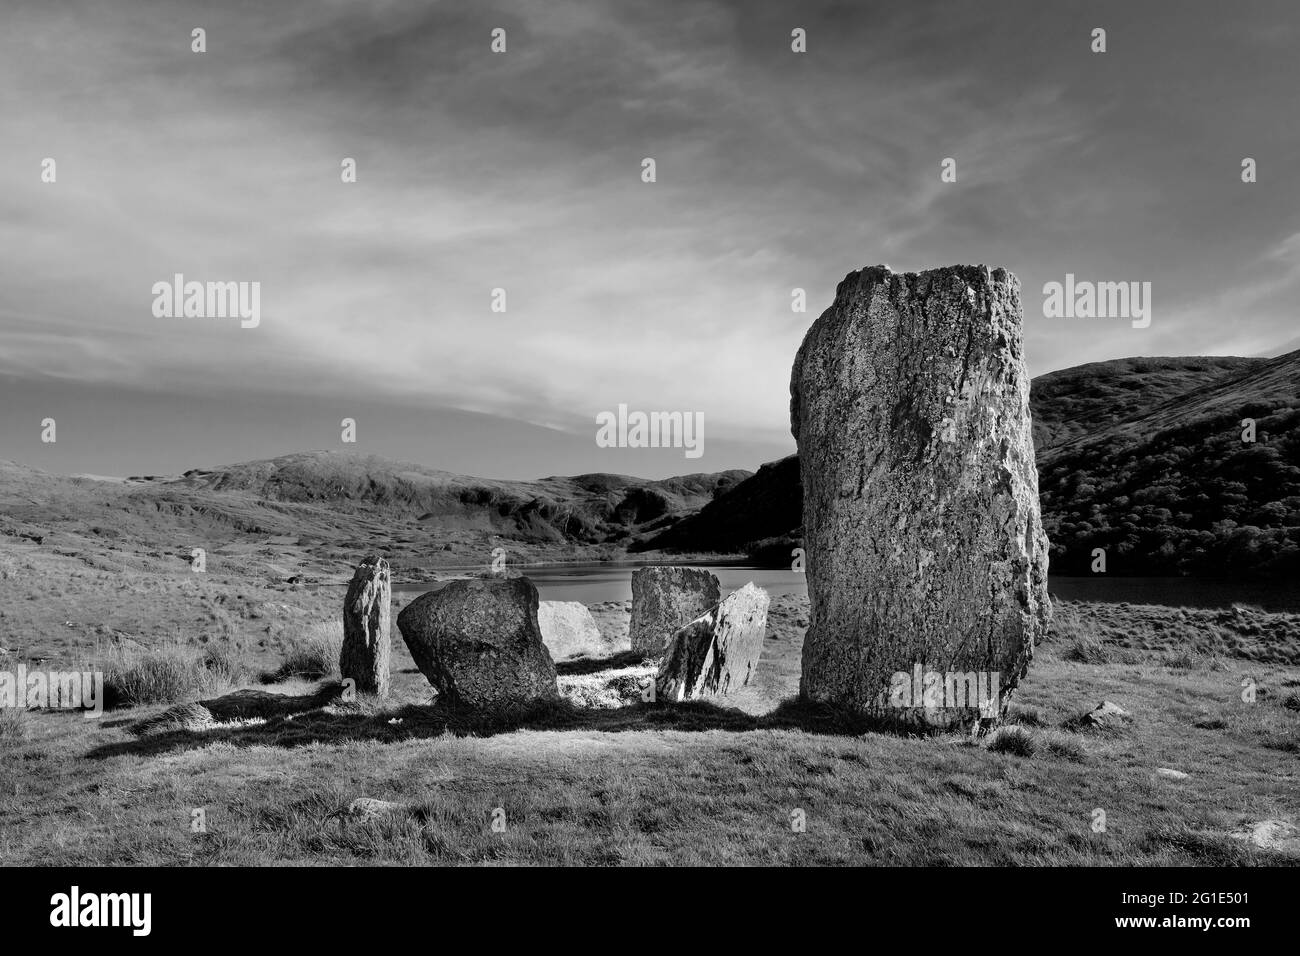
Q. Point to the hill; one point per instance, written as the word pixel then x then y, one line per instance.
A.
pixel 1141 457
pixel 320 509
pixel 1073 402
pixel 1174 488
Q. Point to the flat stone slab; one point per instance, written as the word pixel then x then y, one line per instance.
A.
pixel 718 653
pixel 665 599
pixel 569 630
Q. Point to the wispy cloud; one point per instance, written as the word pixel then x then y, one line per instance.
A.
pixel 522 170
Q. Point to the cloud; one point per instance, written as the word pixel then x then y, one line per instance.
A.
pixel 522 171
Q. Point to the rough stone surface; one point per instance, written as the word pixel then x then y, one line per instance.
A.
pixel 569 630
pixel 665 599
pixel 717 653
pixel 909 401
pixel 367 612
pixel 479 644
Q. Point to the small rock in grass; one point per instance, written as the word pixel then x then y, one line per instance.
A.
pixel 1106 715
pixel 368 810
pixel 1276 835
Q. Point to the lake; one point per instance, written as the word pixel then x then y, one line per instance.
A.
pixel 594 583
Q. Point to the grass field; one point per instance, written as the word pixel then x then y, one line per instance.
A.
pixel 694 783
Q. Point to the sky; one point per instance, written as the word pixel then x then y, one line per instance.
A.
pixel 522 170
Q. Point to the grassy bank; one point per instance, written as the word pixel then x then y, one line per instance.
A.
pixel 694 783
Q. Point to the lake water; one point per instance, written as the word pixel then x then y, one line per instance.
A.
pixel 594 583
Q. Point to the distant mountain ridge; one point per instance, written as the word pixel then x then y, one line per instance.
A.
pixel 1140 457
pixel 327 507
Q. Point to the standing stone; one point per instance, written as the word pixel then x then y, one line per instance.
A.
pixel 909 401
pixel 665 599
pixel 366 619
pixel 569 630
pixel 478 643
pixel 718 653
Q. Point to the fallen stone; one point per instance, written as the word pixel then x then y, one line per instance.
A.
pixel 718 653
pixel 259 704
pixel 665 599
pixel 1169 774
pixel 569 630
pixel 909 400
pixel 364 655
pixel 478 643
pixel 239 705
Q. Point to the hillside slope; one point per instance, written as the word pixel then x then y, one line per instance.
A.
pixel 1175 489
pixel 1142 457
pixel 324 508
pixel 1073 402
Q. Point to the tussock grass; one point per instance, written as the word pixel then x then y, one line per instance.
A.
pixel 167 675
pixel 310 655
pixel 1012 739
pixel 13 723
pixel 1065 746
pixel 688 784
pixel 1024 715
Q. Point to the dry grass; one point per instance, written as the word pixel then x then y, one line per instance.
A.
pixel 1012 739
pixel 167 675
pixel 13 723
pixel 311 655
pixel 585 781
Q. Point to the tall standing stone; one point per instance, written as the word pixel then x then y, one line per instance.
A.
pixel 926 555
pixel 665 599
pixel 367 611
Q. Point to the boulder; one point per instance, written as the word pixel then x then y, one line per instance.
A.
pixel 716 654
pixel 479 644
pixel 909 401
pixel 364 655
pixel 665 599
pixel 569 630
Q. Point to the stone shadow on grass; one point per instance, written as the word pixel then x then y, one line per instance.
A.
pixel 594 665
pixel 347 722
